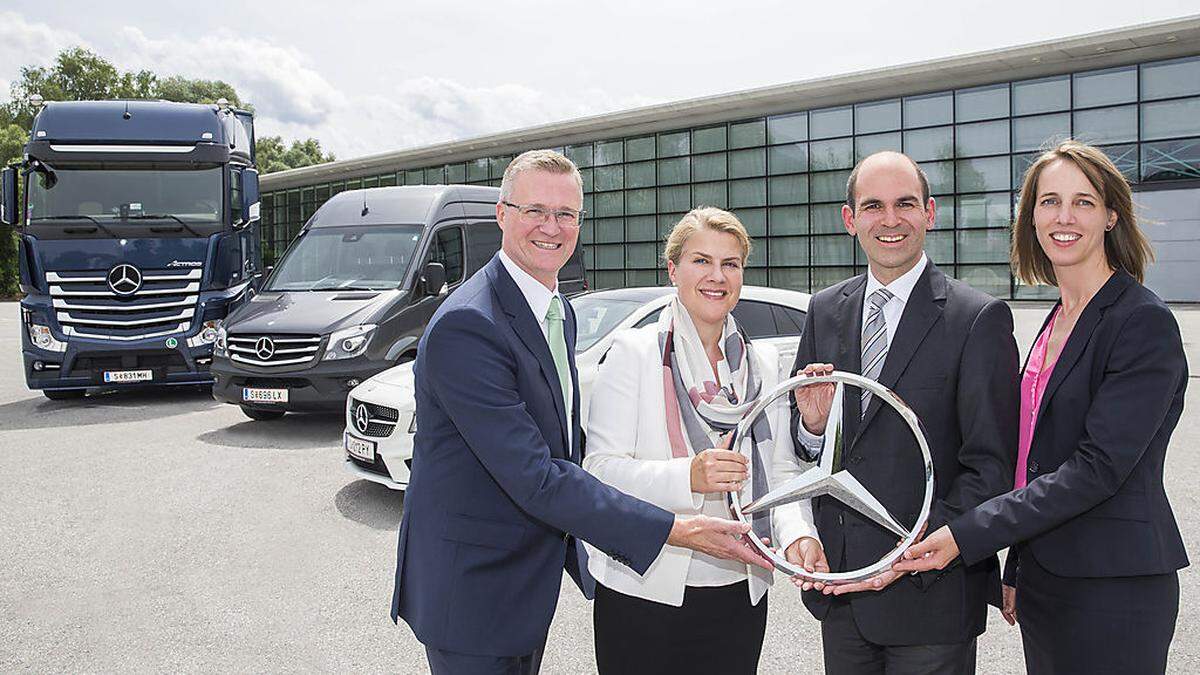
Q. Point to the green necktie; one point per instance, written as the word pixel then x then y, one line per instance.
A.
pixel 558 349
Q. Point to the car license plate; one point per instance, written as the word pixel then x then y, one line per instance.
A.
pixel 364 450
pixel 128 375
pixel 256 395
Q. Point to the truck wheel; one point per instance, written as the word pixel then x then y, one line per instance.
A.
pixel 63 394
pixel 262 415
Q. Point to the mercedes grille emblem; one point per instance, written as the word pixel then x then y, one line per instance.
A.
pixel 124 279
pixel 264 348
pixel 362 417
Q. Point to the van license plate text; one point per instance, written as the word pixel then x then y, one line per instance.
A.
pixel 128 375
pixel 255 395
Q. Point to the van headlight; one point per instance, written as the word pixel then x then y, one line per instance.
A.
pixel 349 342
pixel 42 338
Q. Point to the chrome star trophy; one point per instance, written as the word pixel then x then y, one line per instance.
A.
pixel 823 479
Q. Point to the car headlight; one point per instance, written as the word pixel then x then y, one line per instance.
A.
pixel 208 335
pixel 42 338
pixel 349 342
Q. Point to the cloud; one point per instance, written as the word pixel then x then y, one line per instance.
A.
pixel 29 44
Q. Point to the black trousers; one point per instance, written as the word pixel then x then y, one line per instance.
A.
pixel 442 662
pixel 847 652
pixel 716 631
pixel 1095 625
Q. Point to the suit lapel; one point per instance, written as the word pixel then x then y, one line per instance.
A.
pixel 577 437
pixel 529 330
pixel 849 329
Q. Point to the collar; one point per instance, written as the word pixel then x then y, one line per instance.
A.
pixel 903 286
pixel 537 295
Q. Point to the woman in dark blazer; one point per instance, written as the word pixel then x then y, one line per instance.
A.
pixel 1092 572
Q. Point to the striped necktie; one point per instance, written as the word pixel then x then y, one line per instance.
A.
pixel 874 340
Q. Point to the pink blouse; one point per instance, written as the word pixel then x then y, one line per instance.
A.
pixel 1033 385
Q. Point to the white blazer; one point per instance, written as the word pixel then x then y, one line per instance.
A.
pixel 627 447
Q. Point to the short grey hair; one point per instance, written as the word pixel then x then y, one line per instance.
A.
pixel 540 160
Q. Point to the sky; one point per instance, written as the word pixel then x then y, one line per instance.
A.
pixel 369 76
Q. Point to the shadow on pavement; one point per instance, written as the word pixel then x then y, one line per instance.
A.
pixel 371 504
pixel 105 407
pixel 290 432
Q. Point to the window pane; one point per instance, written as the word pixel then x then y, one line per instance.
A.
pixel 984 138
pixel 640 228
pixel 747 163
pixel 829 187
pixel 789 251
pixel 789 220
pixel 608 279
pixel 788 189
pixel 607 230
pixel 945 212
pixel 749 192
pixel 455 173
pixel 791 158
pixel 498 165
pixel 747 134
pixel 877 116
pixel 1166 79
pixel 830 122
pixel 791 278
pixel 992 279
pixel 708 167
pixel 755 221
pixel 1126 159
pixel 708 140
pixel 673 145
pixel 585 176
pixel 609 152
pixel 641 256
pixel 414 177
pixel 787 128
pixel 754 277
pixel 609 177
pixel 983 246
pixel 824 277
pixel 865 146
pixel 678 198
pixel 837 154
pixel 477 169
pixel 833 250
pixel 1107 125
pixel 637 149
pixel 635 278
pixel 939 246
pixel 610 257
pixel 1106 87
pixel 580 154
pixel 638 202
pixel 983 175
pixel 666 223
pixel 981 103
pixel 941 177
pixel 673 171
pixel 639 175
pixel 928 110
pixel 926 144
pixel 1170 119
pixel 1172 160
pixel 608 204
pixel 758 254
pixel 1041 131
pixel 434 176
pixel 1038 96
pixel 710 194
pixel 827 219
pixel 983 210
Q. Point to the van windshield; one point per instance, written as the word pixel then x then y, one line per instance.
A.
pixel 343 258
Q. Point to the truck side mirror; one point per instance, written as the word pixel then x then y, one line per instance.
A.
pixel 433 277
pixel 250 198
pixel 9 208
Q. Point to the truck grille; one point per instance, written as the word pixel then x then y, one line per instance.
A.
pixel 376 421
pixel 273 350
pixel 125 303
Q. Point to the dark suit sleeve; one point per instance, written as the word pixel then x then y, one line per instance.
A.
pixel 1141 377
pixel 474 379
pixel 806 353
pixel 988 408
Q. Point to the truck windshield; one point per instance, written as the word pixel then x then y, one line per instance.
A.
pixel 347 258
pixel 113 196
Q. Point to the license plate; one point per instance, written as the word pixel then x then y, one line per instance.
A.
pixel 128 375
pixel 364 450
pixel 256 395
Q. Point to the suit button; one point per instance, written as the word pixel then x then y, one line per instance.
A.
pixel 841 519
pixel 856 460
pixel 1033 466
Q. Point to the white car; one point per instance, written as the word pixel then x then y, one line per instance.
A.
pixel 380 420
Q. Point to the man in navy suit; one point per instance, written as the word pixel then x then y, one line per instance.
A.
pixel 497 498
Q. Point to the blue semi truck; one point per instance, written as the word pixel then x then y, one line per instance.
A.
pixel 138 232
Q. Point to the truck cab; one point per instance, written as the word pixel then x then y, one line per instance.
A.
pixel 138 232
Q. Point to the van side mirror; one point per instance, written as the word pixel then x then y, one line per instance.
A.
pixel 433 278
pixel 250 198
pixel 9 208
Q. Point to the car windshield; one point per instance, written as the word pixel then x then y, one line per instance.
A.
pixel 112 197
pixel 597 314
pixel 347 258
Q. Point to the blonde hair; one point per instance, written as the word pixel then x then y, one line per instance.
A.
pixel 540 160
pixel 705 218
pixel 1125 246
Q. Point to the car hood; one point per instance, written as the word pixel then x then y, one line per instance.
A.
pixel 393 387
pixel 309 311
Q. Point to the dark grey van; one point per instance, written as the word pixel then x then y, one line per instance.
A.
pixel 353 293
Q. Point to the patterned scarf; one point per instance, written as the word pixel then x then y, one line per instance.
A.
pixel 712 408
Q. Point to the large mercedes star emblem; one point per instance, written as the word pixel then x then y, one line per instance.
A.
pixel 124 279
pixel 264 348
pixel 362 417
pixel 838 483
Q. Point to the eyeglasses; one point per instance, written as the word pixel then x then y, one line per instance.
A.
pixel 533 214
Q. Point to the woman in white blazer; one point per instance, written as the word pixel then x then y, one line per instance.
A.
pixel 664 401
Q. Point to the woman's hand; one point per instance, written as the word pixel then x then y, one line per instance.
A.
pixel 807 553
pixel 814 401
pixel 719 470
pixel 932 553
pixel 1008 605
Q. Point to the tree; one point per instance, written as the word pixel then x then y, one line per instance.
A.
pixel 272 155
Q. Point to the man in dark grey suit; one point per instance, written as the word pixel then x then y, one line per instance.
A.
pixel 948 351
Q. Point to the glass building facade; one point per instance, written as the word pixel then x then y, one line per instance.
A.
pixel 785 175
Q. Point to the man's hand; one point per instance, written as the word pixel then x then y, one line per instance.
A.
pixel 1008 605
pixel 807 552
pixel 933 553
pixel 719 469
pixel 814 401
pixel 876 583
pixel 717 537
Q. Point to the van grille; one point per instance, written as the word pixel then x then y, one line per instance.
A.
pixel 273 350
